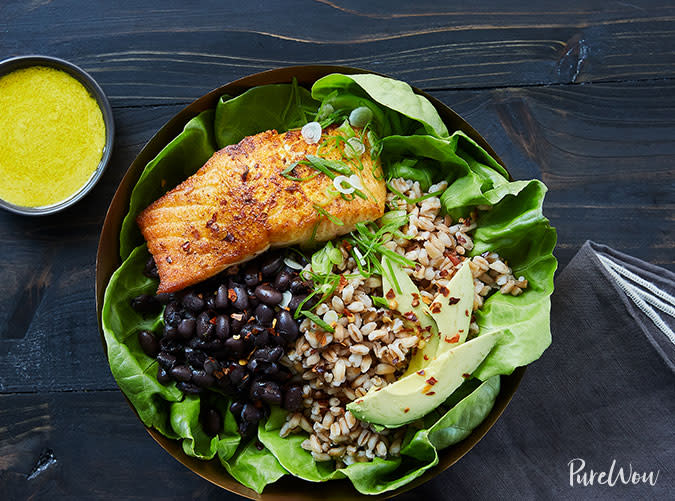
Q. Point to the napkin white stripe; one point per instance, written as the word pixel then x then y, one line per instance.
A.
pixel 641 297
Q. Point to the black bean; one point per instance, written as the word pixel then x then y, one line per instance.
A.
pixel 252 275
pixel 269 354
pixel 201 378
pixel 171 332
pixel 261 338
pixel 205 328
pixel 293 399
pixel 299 286
pixel 214 345
pixel 149 343
pixel 239 297
pixel 150 269
pixel 287 324
pixel 211 303
pixel 250 413
pixel 267 391
pixel 222 326
pixel 213 422
pixel 197 343
pixel 189 388
pixel 163 376
pixel 283 280
pixel 172 314
pixel 213 367
pixel 193 302
pixel 237 374
pixel 145 303
pixel 236 408
pixel 271 370
pixel 222 301
pixel 237 321
pixel 165 298
pixel 295 301
pixel 195 358
pixel 170 345
pixel 166 360
pixel 235 345
pixel 268 294
pixel 264 315
pixel 253 301
pixel 271 264
pixel 186 328
pixel 181 373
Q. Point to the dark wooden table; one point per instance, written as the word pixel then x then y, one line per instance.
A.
pixel 580 94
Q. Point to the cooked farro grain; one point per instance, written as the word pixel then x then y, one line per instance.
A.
pixel 371 345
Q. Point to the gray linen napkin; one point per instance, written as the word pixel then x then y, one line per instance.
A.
pixel 602 396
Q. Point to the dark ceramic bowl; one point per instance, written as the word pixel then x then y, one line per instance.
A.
pixel 288 488
pixel 9 65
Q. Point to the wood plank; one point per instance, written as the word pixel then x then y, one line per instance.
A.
pixel 172 51
pixel 86 446
pixel 605 151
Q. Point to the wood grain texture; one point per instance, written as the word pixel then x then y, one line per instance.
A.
pixel 173 51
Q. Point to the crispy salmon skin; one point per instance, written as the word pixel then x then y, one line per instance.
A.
pixel 239 204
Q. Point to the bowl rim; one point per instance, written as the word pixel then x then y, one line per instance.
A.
pixel 11 64
pixel 288 487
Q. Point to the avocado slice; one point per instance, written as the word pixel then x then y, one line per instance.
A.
pixel 415 395
pixel 404 296
pixel 452 308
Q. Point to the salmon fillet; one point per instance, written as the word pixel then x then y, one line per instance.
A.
pixel 239 204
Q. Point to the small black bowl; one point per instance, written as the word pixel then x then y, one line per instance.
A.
pixel 15 63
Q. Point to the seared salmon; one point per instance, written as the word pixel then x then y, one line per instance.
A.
pixel 242 202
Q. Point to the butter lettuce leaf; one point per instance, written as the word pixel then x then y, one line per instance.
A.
pixel 280 106
pixel 254 466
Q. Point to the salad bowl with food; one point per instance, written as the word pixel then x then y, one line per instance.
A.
pixel 321 274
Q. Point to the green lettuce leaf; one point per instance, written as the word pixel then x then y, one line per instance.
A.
pixel 134 371
pixel 185 422
pixel 179 159
pixel 254 466
pixel 393 94
pixel 281 107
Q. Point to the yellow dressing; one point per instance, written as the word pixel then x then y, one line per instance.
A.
pixel 52 136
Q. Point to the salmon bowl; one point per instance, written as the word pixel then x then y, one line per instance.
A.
pixel 321 274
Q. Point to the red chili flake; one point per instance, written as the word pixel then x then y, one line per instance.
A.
pixel 390 294
pixel 378 389
pixel 461 239
pixel 410 316
pixel 466 376
pixel 426 357
pixel 432 381
pixel 445 291
pixel 359 401
pixel 232 295
pixel 461 330
pixel 186 246
pixel 347 245
pixel 213 320
pixel 421 371
pixel 407 409
pixel 169 260
pixel 212 221
pixel 415 303
pixel 429 393
pixel 436 308
pixel 453 300
pixel 466 312
pixel 454 258
pixel 452 339
pixel 229 237
pixel 443 273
